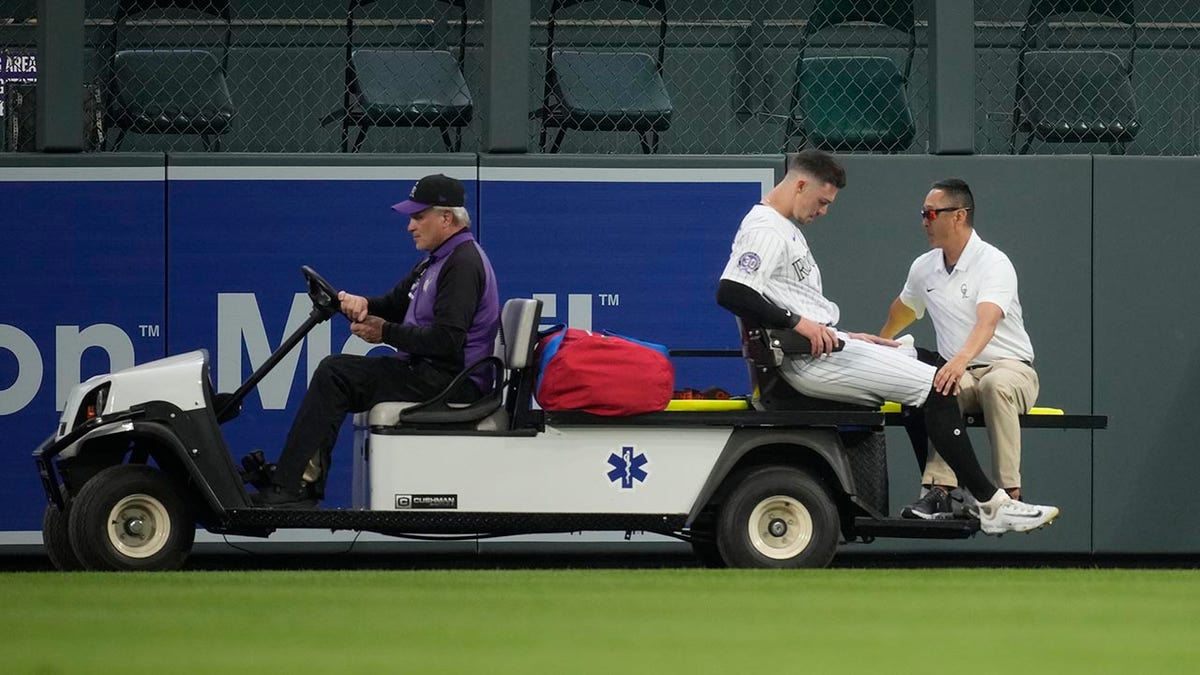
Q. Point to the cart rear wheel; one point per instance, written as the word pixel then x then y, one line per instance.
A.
pixel 131 517
pixel 778 516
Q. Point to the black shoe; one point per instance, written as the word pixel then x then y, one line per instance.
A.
pixel 256 470
pixel 275 497
pixel 934 505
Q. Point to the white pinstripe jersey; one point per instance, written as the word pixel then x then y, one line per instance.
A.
pixel 770 255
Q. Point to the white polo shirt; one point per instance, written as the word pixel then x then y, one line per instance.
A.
pixel 770 255
pixel 983 274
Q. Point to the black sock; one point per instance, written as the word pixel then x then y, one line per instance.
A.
pixel 914 425
pixel 945 427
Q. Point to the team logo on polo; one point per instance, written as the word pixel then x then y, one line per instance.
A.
pixel 749 263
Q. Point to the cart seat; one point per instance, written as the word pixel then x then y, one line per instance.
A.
pixel 509 404
pixel 764 350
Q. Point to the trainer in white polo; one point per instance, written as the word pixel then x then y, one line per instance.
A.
pixel 969 289
pixel 772 281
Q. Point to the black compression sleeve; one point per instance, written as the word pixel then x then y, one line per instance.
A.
pixel 751 305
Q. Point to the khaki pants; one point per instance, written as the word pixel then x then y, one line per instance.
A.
pixel 1001 391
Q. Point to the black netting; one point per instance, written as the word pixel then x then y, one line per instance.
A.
pixel 628 76
pixel 1086 76
pixel 308 76
pixel 719 76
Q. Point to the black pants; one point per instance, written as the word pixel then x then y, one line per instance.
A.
pixel 345 383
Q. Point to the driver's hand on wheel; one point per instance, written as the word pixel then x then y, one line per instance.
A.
pixel 369 329
pixel 822 337
pixel 353 306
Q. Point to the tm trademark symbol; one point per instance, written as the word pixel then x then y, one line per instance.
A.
pixel 149 330
pixel 609 299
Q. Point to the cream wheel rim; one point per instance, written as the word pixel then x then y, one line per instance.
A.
pixel 138 526
pixel 780 527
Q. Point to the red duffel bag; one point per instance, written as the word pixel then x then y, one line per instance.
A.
pixel 602 374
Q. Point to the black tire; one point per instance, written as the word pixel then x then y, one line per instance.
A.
pixel 867 451
pixel 778 517
pixel 707 553
pixel 131 517
pixel 56 538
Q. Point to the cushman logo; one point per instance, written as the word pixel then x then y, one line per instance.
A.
pixel 426 501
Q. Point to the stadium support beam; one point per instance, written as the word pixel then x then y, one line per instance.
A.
pixel 60 75
pixel 952 77
pixel 505 49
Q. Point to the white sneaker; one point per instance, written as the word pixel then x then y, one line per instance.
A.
pixel 1002 514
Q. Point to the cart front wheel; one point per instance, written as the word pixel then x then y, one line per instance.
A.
pixel 131 517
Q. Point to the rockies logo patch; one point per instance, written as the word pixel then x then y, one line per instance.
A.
pixel 749 263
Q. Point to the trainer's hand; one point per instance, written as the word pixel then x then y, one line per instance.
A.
pixel 353 306
pixel 822 337
pixel 369 329
pixel 873 339
pixel 947 377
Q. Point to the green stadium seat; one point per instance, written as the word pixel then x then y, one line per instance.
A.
pixel 394 87
pixel 168 90
pixel 604 90
pixel 1073 95
pixel 852 103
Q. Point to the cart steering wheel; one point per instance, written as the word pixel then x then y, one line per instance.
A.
pixel 324 297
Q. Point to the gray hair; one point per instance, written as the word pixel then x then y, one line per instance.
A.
pixel 459 213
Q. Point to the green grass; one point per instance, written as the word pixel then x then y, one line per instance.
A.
pixel 1011 621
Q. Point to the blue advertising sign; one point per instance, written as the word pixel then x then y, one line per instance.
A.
pixel 634 250
pixel 84 293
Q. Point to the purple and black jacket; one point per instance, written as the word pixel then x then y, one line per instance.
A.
pixel 446 312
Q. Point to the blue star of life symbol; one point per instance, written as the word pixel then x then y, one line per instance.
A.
pixel 627 468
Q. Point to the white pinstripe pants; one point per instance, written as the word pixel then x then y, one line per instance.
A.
pixel 863 373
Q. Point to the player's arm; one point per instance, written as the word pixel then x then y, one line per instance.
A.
pixel 749 304
pixel 899 317
pixel 987 317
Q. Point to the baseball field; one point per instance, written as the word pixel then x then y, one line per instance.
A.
pixel 973 620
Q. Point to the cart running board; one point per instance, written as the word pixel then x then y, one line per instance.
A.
pixel 446 522
pixel 916 529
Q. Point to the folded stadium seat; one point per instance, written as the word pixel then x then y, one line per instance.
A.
pixel 398 87
pixel 165 90
pixel 852 103
pixel 604 90
pixel 1071 95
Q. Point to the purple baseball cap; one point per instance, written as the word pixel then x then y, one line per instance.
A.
pixel 435 190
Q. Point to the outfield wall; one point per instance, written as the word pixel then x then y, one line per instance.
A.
pixel 110 260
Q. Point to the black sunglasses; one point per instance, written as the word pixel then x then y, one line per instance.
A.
pixel 930 214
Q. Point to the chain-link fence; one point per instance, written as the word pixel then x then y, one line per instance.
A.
pixel 18 73
pixel 728 76
pixel 1087 76
pixel 303 76
pixel 626 76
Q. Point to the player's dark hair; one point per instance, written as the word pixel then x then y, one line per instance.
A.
pixel 959 193
pixel 819 165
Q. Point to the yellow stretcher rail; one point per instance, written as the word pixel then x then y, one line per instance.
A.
pixel 743 404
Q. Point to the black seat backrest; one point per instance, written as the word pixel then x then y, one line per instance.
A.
pixel 764 351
